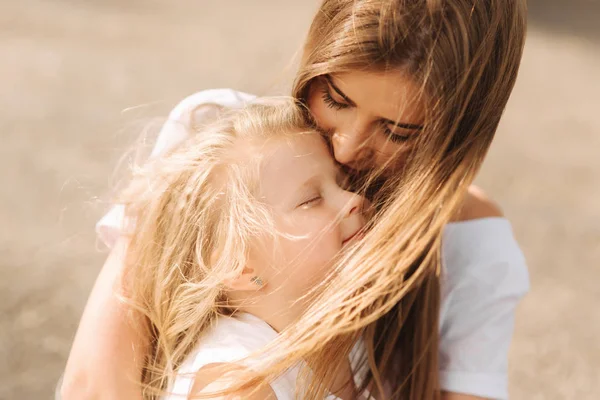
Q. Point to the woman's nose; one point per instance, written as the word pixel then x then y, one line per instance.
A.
pixel 350 149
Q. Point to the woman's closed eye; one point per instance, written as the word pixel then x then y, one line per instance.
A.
pixel 394 136
pixel 330 101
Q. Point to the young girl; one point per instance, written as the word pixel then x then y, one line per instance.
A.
pixel 412 91
pixel 233 231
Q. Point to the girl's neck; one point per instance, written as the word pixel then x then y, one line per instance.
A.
pixel 277 318
pixel 273 307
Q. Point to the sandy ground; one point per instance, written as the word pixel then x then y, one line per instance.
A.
pixel 71 71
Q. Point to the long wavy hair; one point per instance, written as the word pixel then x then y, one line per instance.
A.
pixel 464 56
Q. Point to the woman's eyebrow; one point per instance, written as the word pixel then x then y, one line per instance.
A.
pixel 339 91
pixel 348 100
pixel 403 125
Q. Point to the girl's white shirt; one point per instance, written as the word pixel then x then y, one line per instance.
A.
pixel 234 340
pixel 484 276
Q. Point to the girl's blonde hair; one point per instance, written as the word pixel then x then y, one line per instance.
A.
pixel 193 213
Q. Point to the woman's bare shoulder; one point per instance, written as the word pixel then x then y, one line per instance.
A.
pixel 476 205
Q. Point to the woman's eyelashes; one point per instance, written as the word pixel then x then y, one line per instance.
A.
pixel 395 137
pixel 336 105
pixel 330 101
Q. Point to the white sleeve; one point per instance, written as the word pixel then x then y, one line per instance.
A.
pixel 173 132
pixel 484 277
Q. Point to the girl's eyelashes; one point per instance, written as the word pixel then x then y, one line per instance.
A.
pixel 330 101
pixel 309 203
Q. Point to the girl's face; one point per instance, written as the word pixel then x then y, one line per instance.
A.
pixel 302 186
pixel 372 118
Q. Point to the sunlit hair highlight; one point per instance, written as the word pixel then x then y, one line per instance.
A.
pixel 193 213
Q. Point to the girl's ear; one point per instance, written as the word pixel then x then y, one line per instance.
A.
pixel 249 279
pixel 246 281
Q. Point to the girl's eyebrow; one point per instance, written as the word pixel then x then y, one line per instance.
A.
pixel 348 100
pixel 308 183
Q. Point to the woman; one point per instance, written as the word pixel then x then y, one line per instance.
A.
pixel 411 92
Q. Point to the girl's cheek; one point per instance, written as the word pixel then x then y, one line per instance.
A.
pixel 310 225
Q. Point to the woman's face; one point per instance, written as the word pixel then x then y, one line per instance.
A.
pixel 372 118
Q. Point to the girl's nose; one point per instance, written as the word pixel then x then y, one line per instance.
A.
pixel 355 204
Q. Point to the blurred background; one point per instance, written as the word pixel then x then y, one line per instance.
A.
pixel 78 77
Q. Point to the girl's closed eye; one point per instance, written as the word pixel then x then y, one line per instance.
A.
pixel 311 202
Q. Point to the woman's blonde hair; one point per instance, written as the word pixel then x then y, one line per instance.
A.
pixel 193 213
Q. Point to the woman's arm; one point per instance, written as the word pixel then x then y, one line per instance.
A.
pixel 104 362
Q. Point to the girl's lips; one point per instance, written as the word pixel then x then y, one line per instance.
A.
pixel 358 235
